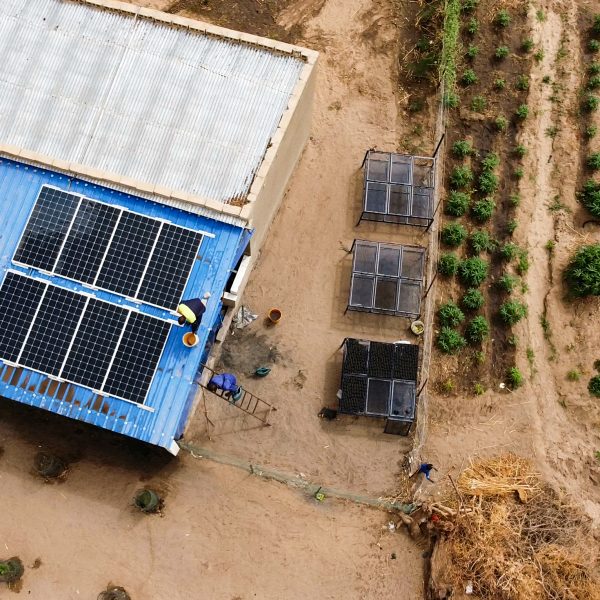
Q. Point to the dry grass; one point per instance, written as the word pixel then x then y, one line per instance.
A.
pixel 521 540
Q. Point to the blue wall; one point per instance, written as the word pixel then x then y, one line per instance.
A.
pixel 173 389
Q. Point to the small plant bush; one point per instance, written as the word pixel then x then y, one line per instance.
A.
pixel 450 315
pixel 450 341
pixel 469 78
pixel 596 25
pixel 472 52
pixel 480 241
pixel 490 162
pixel 527 45
pixel 520 150
pixel 482 210
pixel 468 6
pixel 462 148
pixel 515 377
pixel 518 173
pixel 539 56
pixel 499 83
pixel 594 68
pixel 507 282
pixel 522 83
pixel 593 46
pixel 472 300
pixel 509 251
pixel 511 226
pixel 501 123
pixel 512 312
pixel 453 234
pixel 501 52
pixel 573 375
pixel 594 386
pixel 477 330
pixel 593 161
pixel 488 182
pixel 590 103
pixel 589 196
pixel 473 271
pixel 461 177
pixel 472 26
pixel 457 203
pixel 502 19
pixel 593 82
pixel 583 272
pixel 523 263
pixel 514 200
pixel 591 131
pixel 451 100
pixel 448 264
pixel 522 112
pixel 478 104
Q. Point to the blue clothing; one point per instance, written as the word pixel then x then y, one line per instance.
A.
pixel 226 382
pixel 425 468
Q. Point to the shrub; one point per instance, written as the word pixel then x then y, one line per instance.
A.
pixel 457 203
pixel 461 176
pixel 469 77
pixel 480 241
pixel 502 19
pixel 478 104
pixel 499 84
pixel 488 182
pixel 591 131
pixel 472 26
pixel 596 25
pixel 583 272
pixel 589 196
pixel 477 330
pixel 593 46
pixel 522 83
pixel 594 68
pixel 539 56
pixel 518 173
pixel 523 263
pixel 501 52
pixel 593 161
pixel 501 123
pixel 482 209
pixel 520 150
pixel 511 226
pixel 451 100
pixel 469 5
pixel 514 200
pixel 546 79
pixel 472 52
pixel 594 386
pixel 593 82
pixel 590 103
pixel 472 300
pixel 473 271
pixel 462 148
pixel 453 234
pixel 450 315
pixel 512 312
pixel 448 264
pixel 509 251
pixel 490 162
pixel 450 341
pixel 522 112
pixel 507 282
pixel 527 45
pixel 515 377
pixel 573 375
pixel 478 389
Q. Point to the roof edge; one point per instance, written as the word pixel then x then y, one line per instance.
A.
pixel 308 55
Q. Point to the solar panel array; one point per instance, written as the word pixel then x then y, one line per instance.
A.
pixel 73 337
pixel 108 247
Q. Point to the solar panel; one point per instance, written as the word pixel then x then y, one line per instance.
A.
pixel 137 357
pixel 46 229
pixel 87 241
pixel 55 323
pixel 19 299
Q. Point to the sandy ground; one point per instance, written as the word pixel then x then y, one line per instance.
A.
pixel 226 535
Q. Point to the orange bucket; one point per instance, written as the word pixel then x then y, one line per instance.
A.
pixel 274 315
pixel 190 339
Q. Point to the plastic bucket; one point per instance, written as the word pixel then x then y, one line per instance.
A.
pixel 190 339
pixel 274 315
pixel 147 500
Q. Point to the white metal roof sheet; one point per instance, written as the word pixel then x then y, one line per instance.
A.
pixel 128 95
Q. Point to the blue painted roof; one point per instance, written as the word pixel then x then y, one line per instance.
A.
pixel 173 386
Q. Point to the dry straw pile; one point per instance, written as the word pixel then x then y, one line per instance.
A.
pixel 518 540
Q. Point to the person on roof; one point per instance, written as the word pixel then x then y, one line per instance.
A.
pixel 226 382
pixel 191 311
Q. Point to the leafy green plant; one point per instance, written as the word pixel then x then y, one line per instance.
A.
pixel 522 112
pixel 499 83
pixel 522 265
pixel 593 82
pixel 472 52
pixel 472 26
pixel 490 162
pixel 509 251
pixel 515 377
pixel 480 241
pixel 477 330
pixel 591 131
pixel 502 19
pixel 462 148
pixel 483 209
pixel 546 79
pixel 590 103
pixel 594 386
pixel 583 272
pixel 447 386
pixel 514 200
pixel 507 282
pixel 488 182
pixel 450 315
pixel 448 264
pixel 457 203
pixel 540 15
pixel 453 234
pixel 473 271
pixel 461 177
pixel 472 300
pixel 527 45
pixel 469 6
pixel 518 173
pixel 522 83
pixel 501 123
pixel 450 341
pixel 510 226
pixel 512 311
pixel 469 77
pixel 596 25
pixel 501 52
pixel 451 100
pixel 479 389
pixel 478 104
pixel 573 375
pixel 520 150
pixel 593 161
pixel 593 46
pixel 594 68
pixel 589 196
pixel 552 131
pixel 539 55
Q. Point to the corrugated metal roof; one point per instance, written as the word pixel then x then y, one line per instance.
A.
pixel 132 96
pixel 173 385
